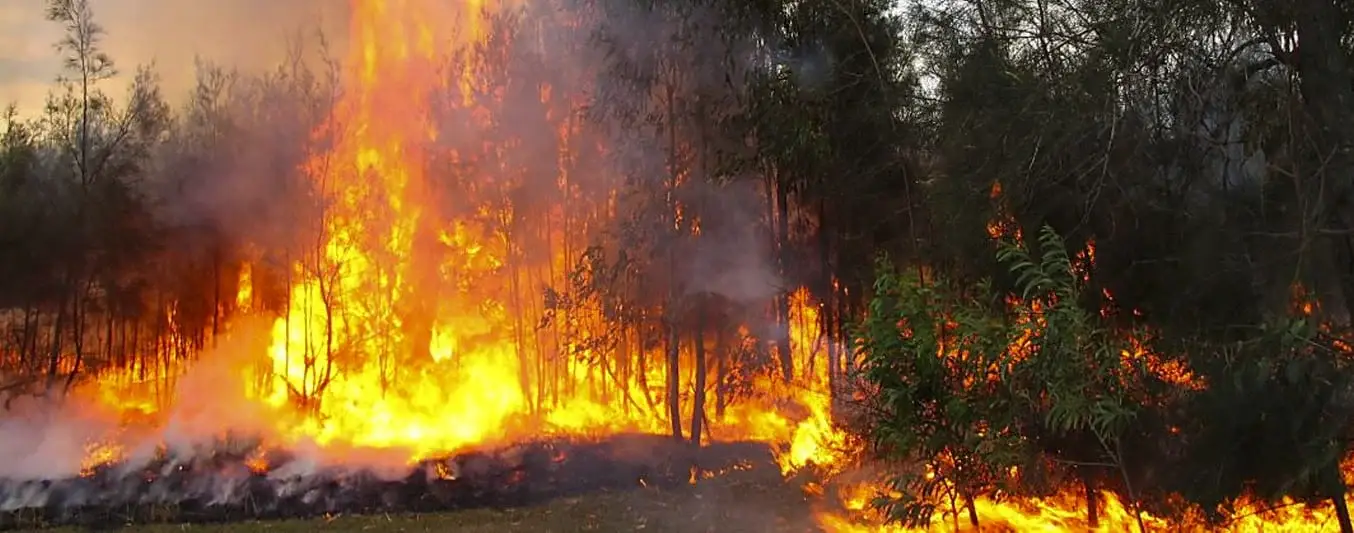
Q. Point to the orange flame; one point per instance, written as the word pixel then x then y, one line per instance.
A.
pixel 399 329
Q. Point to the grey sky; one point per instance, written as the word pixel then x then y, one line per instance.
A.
pixel 248 34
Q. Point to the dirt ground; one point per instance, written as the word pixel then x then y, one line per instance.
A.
pixel 735 502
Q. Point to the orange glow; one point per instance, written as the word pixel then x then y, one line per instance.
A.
pixel 1002 225
pixel 244 296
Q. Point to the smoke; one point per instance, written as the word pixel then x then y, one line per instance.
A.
pixel 683 72
pixel 211 396
pixel 210 417
pixel 240 173
pixel 236 164
pixel 732 257
pixel 45 441
pixel 810 66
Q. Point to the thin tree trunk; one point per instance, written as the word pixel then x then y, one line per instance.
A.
pixel 721 356
pixel 79 304
pixel 642 373
pixel 782 301
pixel 674 379
pixel 954 510
pixel 623 362
pixel 54 357
pixel 827 313
pixel 698 402
pixel 216 290
pixel 1342 514
pixel 519 327
pixel 1092 502
pixel 108 333
pixel 671 309
pixel 32 330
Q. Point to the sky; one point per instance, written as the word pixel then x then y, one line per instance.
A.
pixel 247 34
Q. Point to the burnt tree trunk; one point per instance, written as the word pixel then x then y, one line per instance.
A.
pixel 1092 502
pixel 1342 514
pixel 32 325
pixel 698 400
pixel 972 512
pixel 80 317
pixel 216 289
pixel 846 354
pixel 673 349
pixel 418 306
pixel 623 352
pixel 54 357
pixel 782 301
pixel 721 369
pixel 826 312
pixel 671 309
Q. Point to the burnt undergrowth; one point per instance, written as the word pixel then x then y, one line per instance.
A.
pixel 221 486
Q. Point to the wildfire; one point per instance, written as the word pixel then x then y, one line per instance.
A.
pixel 399 330
pixel 402 329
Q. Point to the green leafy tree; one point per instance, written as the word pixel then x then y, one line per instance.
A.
pixel 1071 383
pixel 934 352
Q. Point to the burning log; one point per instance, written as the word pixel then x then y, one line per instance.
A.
pixel 228 486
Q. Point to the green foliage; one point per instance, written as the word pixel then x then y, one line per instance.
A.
pixel 1073 373
pixel 933 352
pixel 960 397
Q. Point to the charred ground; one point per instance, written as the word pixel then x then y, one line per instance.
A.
pixel 226 487
pixel 744 501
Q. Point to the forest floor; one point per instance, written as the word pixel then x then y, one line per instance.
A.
pixel 735 502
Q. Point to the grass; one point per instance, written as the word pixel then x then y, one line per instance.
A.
pixel 736 502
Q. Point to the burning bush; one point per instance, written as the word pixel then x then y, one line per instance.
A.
pixel 985 402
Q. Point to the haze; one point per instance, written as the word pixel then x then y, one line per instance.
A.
pixel 247 34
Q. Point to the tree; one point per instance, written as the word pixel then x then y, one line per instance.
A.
pixel 1079 397
pixel 105 148
pixel 87 64
pixel 932 352
pixel 835 143
pixel 1327 90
